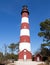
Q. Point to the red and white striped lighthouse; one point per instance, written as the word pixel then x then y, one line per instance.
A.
pixel 24 45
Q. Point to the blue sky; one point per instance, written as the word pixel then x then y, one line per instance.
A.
pixel 10 20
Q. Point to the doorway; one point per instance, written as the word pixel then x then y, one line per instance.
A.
pixel 38 59
pixel 25 57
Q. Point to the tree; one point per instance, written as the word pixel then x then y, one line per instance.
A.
pixel 1 57
pixel 13 47
pixel 44 51
pixel 17 46
pixel 5 46
pixel 12 56
pixel 45 32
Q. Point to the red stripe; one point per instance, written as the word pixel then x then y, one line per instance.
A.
pixel 24 26
pixel 25 39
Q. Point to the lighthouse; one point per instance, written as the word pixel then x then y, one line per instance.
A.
pixel 24 45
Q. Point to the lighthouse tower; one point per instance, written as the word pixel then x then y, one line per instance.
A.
pixel 24 45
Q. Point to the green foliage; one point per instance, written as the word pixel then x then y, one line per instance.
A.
pixel 12 56
pixel 46 44
pixel 45 25
pixel 13 47
pixel 1 57
pixel 9 56
pixel 45 52
pixel 45 33
pixel 41 34
pixel 45 29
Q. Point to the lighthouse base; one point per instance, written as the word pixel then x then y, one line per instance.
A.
pixel 27 63
pixel 24 55
pixel 24 60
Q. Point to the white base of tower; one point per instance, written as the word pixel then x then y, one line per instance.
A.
pixel 26 63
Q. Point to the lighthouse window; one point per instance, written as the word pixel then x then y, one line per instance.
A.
pixel 24 26
pixel 24 50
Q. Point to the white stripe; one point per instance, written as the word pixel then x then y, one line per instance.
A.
pixel 25 19
pixel 24 45
pixel 24 32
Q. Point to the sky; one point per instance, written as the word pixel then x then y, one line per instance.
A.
pixel 10 21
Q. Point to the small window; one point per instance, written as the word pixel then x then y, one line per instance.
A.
pixel 24 50
pixel 24 26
